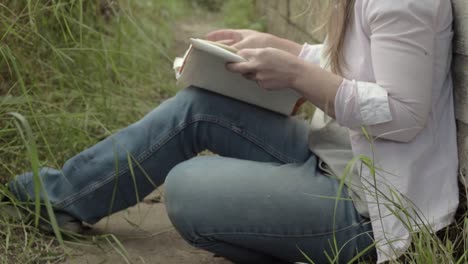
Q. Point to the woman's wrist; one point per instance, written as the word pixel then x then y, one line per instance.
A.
pixel 302 71
pixel 317 85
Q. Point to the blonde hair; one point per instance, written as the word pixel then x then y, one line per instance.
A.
pixel 339 16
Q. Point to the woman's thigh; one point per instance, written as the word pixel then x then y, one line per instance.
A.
pixel 122 169
pixel 272 210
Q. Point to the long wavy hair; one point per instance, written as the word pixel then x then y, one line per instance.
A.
pixel 339 16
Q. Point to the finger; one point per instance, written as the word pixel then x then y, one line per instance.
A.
pixel 248 54
pixel 224 34
pixel 243 44
pixel 241 67
pixel 228 42
pixel 250 76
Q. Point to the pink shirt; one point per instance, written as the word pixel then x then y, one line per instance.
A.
pixel 398 87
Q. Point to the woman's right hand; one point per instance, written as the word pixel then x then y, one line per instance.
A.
pixel 251 39
pixel 241 38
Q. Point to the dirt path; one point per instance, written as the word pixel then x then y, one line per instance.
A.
pixel 194 27
pixel 145 231
pixel 148 237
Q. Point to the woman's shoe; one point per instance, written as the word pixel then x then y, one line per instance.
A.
pixel 66 223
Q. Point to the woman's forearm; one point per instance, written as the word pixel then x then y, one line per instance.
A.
pixel 317 85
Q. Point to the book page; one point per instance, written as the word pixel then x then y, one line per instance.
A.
pixel 228 54
pixel 226 47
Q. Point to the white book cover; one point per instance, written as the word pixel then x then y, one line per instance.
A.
pixel 204 66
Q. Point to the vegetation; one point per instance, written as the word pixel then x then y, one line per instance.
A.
pixel 212 5
pixel 75 71
pixel 79 70
pixel 241 14
pixel 87 70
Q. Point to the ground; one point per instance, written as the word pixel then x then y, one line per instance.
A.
pixel 148 237
pixel 145 231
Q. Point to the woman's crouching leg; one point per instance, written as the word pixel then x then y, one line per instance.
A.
pixel 253 212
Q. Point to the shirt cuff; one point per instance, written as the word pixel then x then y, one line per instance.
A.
pixel 361 104
pixel 311 53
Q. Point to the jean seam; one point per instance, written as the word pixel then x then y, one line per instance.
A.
pixel 268 148
pixel 283 236
pixel 155 147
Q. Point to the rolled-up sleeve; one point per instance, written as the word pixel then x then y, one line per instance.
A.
pixel 397 106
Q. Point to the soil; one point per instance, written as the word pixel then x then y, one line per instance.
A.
pixel 145 231
pixel 147 236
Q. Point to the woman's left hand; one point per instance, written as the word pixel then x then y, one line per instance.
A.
pixel 272 69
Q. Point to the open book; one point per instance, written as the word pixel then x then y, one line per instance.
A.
pixel 204 66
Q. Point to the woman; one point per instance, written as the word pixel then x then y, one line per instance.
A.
pixel 383 88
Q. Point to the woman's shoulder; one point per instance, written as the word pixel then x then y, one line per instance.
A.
pixel 408 4
pixel 434 13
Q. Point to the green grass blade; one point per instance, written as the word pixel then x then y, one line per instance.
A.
pixel 27 135
pixel 305 255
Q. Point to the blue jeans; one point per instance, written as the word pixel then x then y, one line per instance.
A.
pixel 263 200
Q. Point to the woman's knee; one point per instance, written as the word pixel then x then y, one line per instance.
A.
pixel 183 193
pixel 174 185
pixel 186 184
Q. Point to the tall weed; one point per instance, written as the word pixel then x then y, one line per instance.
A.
pixel 77 71
pixel 87 68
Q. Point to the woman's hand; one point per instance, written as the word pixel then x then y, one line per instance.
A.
pixel 274 64
pixel 274 69
pixel 250 39
pixel 271 68
pixel 240 39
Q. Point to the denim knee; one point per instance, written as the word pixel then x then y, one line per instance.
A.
pixel 173 190
pixel 178 194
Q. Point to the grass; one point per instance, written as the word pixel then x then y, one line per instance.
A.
pixel 73 72
pixel 25 244
pixel 79 70
pixel 86 72
pixel 241 14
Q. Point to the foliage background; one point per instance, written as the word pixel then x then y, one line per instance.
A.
pixel 79 70
pixel 88 68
